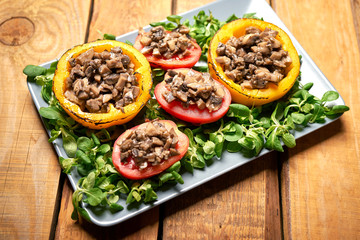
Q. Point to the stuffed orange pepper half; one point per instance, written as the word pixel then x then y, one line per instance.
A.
pixel 102 83
pixel 255 60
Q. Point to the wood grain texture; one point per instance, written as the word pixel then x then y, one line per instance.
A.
pixel 321 196
pixel 242 204
pixel 183 6
pixel 120 17
pixel 355 7
pixel 115 17
pixel 29 169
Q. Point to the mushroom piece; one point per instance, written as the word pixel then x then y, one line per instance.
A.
pixel 85 57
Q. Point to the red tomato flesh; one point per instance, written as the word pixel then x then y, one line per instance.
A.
pixel 174 62
pixel 192 113
pixel 131 171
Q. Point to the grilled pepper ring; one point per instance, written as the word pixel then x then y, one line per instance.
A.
pixel 247 96
pixel 114 116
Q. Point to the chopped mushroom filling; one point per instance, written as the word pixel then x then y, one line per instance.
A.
pixel 164 44
pixel 255 59
pixel 99 79
pixel 149 145
pixel 194 88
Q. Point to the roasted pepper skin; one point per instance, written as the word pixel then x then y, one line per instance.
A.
pixel 114 116
pixel 253 97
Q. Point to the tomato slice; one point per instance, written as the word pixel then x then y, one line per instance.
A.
pixel 131 171
pixel 192 113
pixel 174 62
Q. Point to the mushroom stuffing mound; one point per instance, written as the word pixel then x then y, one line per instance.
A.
pixel 255 60
pixel 98 79
pixel 168 49
pixel 192 96
pixel 194 88
pixel 102 83
pixel 148 149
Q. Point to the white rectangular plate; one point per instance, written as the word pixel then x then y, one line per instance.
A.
pixel 221 10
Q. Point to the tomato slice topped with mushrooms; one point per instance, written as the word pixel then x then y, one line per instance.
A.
pixel 148 149
pixel 193 96
pixel 168 50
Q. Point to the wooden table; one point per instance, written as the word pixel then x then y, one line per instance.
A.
pixel 309 192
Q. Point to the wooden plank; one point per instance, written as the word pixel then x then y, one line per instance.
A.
pixel 29 169
pixel 319 182
pixel 115 17
pixel 120 17
pixel 183 6
pixel 241 204
pixel 355 7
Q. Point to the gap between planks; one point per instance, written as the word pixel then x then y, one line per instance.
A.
pixel 62 175
pixel 57 206
pixel 283 177
pixel 91 11
pixel 355 8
